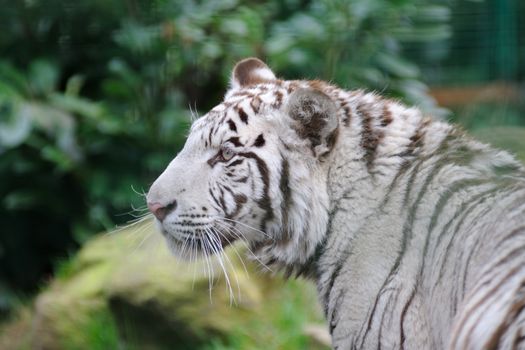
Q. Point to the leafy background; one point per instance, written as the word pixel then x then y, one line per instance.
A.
pixel 96 95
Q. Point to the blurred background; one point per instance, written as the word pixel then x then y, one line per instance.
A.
pixel 95 99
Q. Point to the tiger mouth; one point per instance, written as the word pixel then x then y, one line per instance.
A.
pixel 207 242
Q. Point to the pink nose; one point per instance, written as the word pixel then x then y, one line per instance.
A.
pixel 161 211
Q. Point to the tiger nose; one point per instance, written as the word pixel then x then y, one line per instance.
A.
pixel 161 211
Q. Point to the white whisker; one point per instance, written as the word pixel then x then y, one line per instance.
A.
pixel 146 237
pixel 207 254
pixel 230 262
pixel 130 224
pixel 236 232
pixel 185 245
pixel 245 225
pixel 224 225
pixel 142 194
pixel 217 248
pixel 193 112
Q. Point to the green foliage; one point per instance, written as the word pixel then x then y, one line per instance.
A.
pixel 99 333
pixel 95 96
pixel 281 327
pixel 478 116
pixel 499 124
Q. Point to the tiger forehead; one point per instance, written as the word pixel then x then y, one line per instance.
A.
pixel 235 112
pixel 258 97
pixel 255 99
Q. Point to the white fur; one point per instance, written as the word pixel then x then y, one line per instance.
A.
pixel 406 276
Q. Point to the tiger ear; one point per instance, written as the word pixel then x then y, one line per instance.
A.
pixel 250 71
pixel 315 118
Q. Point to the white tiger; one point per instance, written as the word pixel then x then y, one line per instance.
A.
pixel 413 232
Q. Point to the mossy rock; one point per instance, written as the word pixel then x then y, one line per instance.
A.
pixel 125 290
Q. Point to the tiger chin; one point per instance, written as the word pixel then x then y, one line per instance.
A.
pixel 413 232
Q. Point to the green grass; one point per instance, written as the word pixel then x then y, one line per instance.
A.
pixel 99 333
pixel 281 326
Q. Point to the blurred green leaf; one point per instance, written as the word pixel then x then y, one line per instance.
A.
pixel 433 13
pixel 73 85
pixel 77 105
pixel 423 34
pixel 397 66
pixel 136 37
pixel 15 123
pixel 20 199
pixel 11 78
pixel 43 77
pixel 58 157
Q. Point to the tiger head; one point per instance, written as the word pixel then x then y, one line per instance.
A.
pixel 254 168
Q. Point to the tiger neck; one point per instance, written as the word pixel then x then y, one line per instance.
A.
pixel 376 138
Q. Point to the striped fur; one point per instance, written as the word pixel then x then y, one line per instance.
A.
pixel 413 232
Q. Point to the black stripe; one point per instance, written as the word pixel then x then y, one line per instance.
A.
pixel 278 99
pixel 235 162
pixel 333 277
pixel 284 187
pixel 243 115
pixel 370 138
pixel 232 125
pixel 462 208
pixel 241 93
pixel 517 307
pixel 334 317
pixel 235 141
pixel 402 319
pixel 448 193
pixel 417 138
pixel 516 232
pixel 465 215
pixel 456 155
pixel 518 339
pixel 479 241
pixel 348 115
pixel 443 147
pixel 264 202
pixel 255 103
pixel 221 200
pixel 239 200
pixel 387 115
pixel 403 168
pixel 214 160
pixel 214 198
pixel 436 169
pixel 371 314
pixel 339 265
pixel 259 141
pixel 243 179
pixel 391 303
pixel 508 256
pixel 416 142
pixel 487 294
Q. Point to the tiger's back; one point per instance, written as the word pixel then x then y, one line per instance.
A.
pixel 426 247
pixel 413 232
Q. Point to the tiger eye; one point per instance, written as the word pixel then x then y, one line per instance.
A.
pixel 227 153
